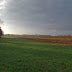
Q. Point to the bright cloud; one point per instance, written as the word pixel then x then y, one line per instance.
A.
pixel 3 2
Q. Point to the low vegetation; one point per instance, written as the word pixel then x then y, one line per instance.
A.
pixel 21 55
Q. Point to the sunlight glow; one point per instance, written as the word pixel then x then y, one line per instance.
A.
pixel 2 7
pixel 4 28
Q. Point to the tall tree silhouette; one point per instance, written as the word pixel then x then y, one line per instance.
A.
pixel 1 32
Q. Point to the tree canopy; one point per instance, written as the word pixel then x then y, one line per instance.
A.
pixel 1 32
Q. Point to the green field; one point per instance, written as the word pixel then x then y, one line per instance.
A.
pixel 19 55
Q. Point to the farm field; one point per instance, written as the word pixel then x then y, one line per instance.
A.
pixel 63 40
pixel 21 55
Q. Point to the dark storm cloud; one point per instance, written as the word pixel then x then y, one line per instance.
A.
pixel 41 14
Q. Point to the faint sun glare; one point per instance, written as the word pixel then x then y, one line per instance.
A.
pixel 4 30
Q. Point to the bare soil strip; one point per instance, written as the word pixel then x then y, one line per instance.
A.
pixel 60 41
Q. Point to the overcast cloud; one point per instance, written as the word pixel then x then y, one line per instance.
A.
pixel 37 16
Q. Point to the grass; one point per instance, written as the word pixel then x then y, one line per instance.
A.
pixel 20 55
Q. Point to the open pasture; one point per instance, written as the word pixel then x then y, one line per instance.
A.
pixel 21 55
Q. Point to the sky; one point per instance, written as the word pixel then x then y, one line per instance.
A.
pixel 45 17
